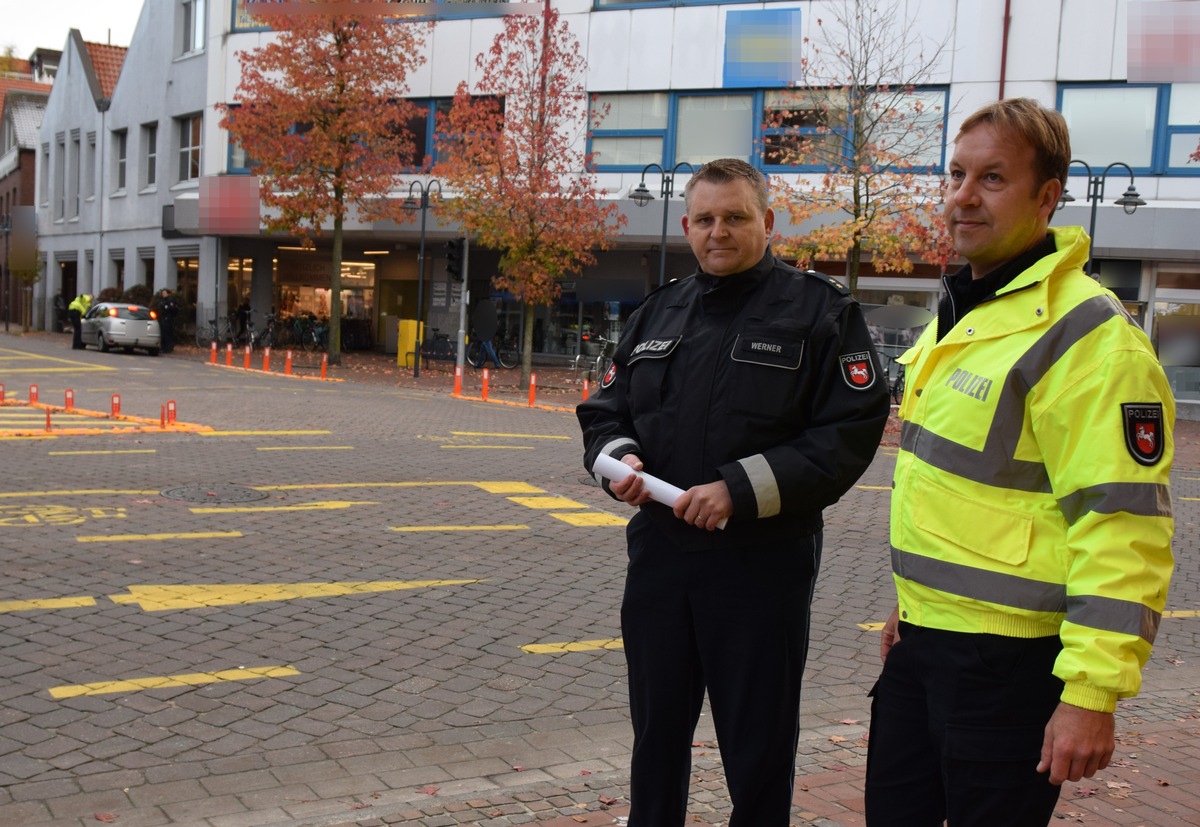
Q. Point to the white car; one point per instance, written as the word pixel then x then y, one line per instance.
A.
pixel 120 324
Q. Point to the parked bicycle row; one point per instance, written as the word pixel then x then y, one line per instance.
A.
pixel 303 331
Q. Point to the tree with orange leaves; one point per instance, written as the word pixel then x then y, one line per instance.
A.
pixel 320 112
pixel 872 136
pixel 513 150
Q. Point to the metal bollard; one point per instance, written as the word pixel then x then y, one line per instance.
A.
pixel 532 388
pixel 170 411
pixel 229 354
pixel 484 393
pixel 287 364
pixel 246 358
pixel 266 359
pixel 69 400
pixel 33 394
pixel 116 404
pixel 324 364
pixel 212 353
pixel 458 380
pixel 585 390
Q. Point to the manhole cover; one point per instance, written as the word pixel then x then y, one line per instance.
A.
pixel 218 493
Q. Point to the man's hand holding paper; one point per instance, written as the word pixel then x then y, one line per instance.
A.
pixel 705 506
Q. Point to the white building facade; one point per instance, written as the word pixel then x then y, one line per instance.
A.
pixel 681 89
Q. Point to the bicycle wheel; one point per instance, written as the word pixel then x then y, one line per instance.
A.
pixel 268 338
pixel 474 355
pixel 204 336
pixel 508 356
pixel 310 339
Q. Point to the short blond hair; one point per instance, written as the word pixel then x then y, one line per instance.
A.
pixel 1044 130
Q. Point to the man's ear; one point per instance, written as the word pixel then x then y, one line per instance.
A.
pixel 769 220
pixel 685 226
pixel 1048 197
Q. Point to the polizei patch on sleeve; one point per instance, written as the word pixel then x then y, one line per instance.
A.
pixel 858 369
pixel 1144 431
pixel 653 349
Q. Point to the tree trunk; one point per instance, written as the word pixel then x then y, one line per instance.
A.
pixel 334 345
pixel 527 347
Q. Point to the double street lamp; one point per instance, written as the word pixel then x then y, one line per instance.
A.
pixel 1130 201
pixel 642 196
pixel 418 199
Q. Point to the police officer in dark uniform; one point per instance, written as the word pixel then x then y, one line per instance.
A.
pixel 752 386
pixel 168 309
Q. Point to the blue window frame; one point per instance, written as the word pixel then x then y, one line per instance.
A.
pixel 767 127
pixel 1152 127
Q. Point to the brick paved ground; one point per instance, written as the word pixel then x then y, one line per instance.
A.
pixel 418 706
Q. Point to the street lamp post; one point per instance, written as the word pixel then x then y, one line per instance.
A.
pixel 642 196
pixel 418 199
pixel 1130 201
pixel 6 228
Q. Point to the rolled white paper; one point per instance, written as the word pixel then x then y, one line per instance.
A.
pixel 661 491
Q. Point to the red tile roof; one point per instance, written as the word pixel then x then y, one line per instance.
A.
pixel 7 84
pixel 15 65
pixel 107 61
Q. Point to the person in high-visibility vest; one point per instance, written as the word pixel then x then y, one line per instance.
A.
pixel 1031 517
pixel 75 310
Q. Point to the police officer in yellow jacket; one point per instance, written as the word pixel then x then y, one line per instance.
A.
pixel 75 310
pixel 1031 516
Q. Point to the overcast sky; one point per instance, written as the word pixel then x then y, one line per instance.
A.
pixel 29 24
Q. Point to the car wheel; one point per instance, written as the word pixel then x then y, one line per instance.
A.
pixel 103 345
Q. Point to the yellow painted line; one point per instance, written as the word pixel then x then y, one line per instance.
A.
pixel 508 487
pixel 172 681
pixel 414 528
pixel 591 518
pixel 546 502
pixel 308 448
pixel 870 627
pixel 81 369
pixel 1185 613
pixel 874 487
pixel 488 447
pixel 121 538
pixel 266 433
pixel 574 646
pixel 82 453
pixel 163 598
pixel 46 603
pixel 66 492
pixel 516 436
pixel 331 505
pixel 20 354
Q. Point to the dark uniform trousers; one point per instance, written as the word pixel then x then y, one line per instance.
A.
pixel 957 724
pixel 736 621
pixel 76 329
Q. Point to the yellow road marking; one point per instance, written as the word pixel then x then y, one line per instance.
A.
pixel 77 492
pixel 508 487
pixel 518 436
pixel 121 538
pixel 163 598
pixel 81 369
pixel 574 646
pixel 81 453
pixel 412 528
pixel 874 487
pixel 266 433
pixel 870 627
pixel 331 505
pixel 489 447
pixel 172 681
pixel 309 448
pixel 546 502
pixel 1183 613
pixel 46 603
pixel 591 518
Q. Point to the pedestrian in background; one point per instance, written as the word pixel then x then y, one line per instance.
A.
pixel 486 321
pixel 752 386
pixel 60 311
pixel 168 309
pixel 1031 518
pixel 76 310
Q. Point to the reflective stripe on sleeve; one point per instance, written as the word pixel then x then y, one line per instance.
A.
pixel 1121 616
pixel 611 448
pixel 763 483
pixel 1143 499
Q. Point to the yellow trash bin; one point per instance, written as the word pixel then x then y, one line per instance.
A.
pixel 406 342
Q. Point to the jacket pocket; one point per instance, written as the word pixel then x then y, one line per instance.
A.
pixel 766 366
pixel 973 527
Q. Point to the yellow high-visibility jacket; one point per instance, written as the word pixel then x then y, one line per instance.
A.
pixel 1031 495
pixel 81 303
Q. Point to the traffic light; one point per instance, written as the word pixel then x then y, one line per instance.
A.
pixel 454 258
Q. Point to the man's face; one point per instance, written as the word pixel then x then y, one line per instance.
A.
pixel 727 230
pixel 995 208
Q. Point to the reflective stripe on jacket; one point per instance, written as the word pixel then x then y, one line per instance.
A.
pixel 1020 507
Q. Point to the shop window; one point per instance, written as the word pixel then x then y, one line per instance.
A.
pixel 1158 127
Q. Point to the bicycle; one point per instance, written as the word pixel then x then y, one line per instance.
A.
pixel 266 338
pixel 506 353
pixel 438 347
pixel 595 366
pixel 216 330
pixel 894 377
